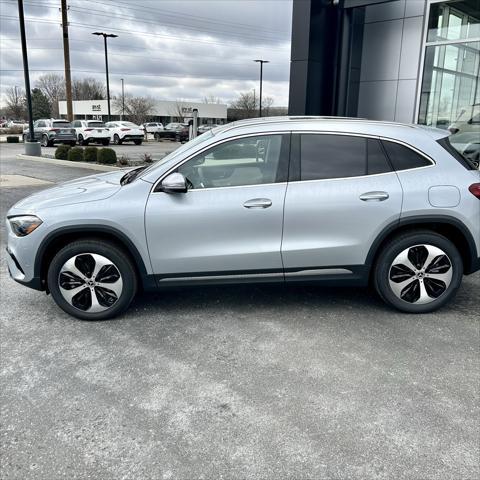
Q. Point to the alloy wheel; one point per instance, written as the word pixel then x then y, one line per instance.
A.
pixel 420 274
pixel 90 282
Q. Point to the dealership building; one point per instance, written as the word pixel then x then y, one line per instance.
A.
pixel 163 111
pixel 401 60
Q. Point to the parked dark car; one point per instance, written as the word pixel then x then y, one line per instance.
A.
pixel 50 131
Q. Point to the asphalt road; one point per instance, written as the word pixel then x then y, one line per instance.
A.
pixel 236 383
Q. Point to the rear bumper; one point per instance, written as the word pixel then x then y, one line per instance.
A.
pixel 126 138
pixel 65 139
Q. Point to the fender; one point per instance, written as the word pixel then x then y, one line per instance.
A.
pixel 473 261
pixel 148 281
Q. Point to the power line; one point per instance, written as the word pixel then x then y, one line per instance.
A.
pixel 163 12
pixel 194 77
pixel 127 32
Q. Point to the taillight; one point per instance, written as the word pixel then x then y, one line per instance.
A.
pixel 124 129
pixel 475 189
pixel 88 129
pixel 54 130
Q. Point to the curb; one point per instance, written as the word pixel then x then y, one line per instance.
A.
pixel 67 163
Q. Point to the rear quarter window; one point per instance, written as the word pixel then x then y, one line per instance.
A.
pixel 404 158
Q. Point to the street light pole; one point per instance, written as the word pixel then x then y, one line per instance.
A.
pixel 261 62
pixel 123 99
pixel 31 147
pixel 105 36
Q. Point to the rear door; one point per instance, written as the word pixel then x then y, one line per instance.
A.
pixel 341 194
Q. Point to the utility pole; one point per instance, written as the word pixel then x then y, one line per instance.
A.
pixel 261 62
pixel 66 56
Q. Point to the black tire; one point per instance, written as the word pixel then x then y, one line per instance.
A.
pixel 137 142
pixel 117 257
pixel 81 140
pixel 116 140
pixel 157 136
pixel 73 143
pixel 418 242
pixel 45 142
pixel 106 142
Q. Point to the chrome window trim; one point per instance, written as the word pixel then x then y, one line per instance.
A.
pixel 198 152
pixel 314 132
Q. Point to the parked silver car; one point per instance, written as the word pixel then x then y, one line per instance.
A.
pixel 328 200
pixel 50 131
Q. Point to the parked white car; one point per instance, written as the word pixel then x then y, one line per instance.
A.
pixel 91 131
pixel 125 132
pixel 152 127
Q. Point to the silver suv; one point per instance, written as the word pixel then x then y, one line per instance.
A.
pixel 50 131
pixel 287 200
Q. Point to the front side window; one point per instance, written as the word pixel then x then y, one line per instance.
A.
pixel 332 156
pixel 245 161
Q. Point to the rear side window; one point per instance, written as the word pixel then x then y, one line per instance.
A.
pixel 404 158
pixel 332 156
pixel 377 161
pixel 465 155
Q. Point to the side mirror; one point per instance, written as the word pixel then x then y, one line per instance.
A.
pixel 174 183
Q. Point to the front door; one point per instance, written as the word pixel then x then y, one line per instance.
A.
pixel 229 223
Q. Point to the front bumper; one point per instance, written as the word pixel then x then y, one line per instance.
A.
pixel 16 273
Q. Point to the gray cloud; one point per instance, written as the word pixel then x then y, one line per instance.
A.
pixel 169 49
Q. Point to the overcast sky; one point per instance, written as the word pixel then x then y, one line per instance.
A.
pixel 169 49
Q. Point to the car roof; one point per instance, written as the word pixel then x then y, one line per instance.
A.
pixel 347 125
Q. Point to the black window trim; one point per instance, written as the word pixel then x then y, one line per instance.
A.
pixel 284 162
pixel 294 171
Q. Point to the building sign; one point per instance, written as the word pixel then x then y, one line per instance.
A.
pixel 187 110
pixel 96 108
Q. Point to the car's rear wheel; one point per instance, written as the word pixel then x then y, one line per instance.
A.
pixel 137 142
pixel 106 142
pixel 418 272
pixel 92 280
pixel 157 136
pixel 116 140
pixel 45 142
pixel 81 140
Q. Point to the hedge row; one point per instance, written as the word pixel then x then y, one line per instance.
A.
pixel 89 154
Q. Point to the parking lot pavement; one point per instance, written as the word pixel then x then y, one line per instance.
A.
pixel 238 383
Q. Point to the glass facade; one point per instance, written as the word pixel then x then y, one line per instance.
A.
pixel 450 94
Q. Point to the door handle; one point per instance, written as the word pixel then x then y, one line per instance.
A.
pixel 374 196
pixel 258 203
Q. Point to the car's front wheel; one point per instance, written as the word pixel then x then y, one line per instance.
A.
pixel 92 280
pixel 116 140
pixel 418 272
pixel 45 141
pixel 106 142
pixel 137 142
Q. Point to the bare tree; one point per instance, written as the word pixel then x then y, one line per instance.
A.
pixel 212 99
pixel 245 106
pixel 137 109
pixel 52 86
pixel 267 103
pixel 88 89
pixel 15 103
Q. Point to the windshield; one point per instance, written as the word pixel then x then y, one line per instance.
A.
pixel 96 124
pixel 184 148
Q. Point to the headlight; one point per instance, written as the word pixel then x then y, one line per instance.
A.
pixel 24 224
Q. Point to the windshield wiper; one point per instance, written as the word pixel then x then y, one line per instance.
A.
pixel 131 175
